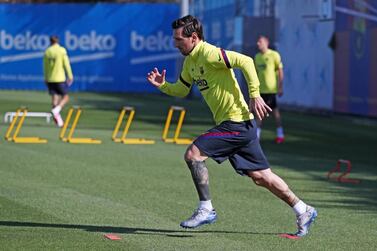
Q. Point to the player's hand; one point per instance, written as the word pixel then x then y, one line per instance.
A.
pixel 69 81
pixel 280 91
pixel 156 78
pixel 259 107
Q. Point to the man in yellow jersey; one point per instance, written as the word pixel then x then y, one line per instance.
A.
pixel 234 136
pixel 56 67
pixel 270 73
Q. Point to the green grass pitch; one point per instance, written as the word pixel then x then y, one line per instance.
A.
pixel 60 196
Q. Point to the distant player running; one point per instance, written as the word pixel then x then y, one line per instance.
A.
pixel 55 67
pixel 270 73
pixel 234 137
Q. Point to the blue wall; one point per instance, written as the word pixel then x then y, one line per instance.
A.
pixel 111 46
pixel 306 55
pixel 355 85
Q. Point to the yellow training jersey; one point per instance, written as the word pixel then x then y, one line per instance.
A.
pixel 56 64
pixel 210 69
pixel 267 64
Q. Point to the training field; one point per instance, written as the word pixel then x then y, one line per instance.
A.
pixel 60 196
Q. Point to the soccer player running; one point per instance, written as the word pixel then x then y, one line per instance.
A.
pixel 55 67
pixel 270 73
pixel 234 136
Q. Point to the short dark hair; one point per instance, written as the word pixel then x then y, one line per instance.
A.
pixel 54 39
pixel 190 25
pixel 264 37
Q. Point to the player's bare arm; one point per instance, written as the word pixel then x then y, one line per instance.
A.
pixel 69 81
pixel 280 81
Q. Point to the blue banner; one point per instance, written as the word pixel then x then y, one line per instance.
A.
pixel 111 46
pixel 355 89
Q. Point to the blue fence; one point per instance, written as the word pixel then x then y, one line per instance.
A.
pixel 111 46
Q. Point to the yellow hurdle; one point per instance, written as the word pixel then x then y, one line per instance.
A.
pixel 70 138
pixel 14 138
pixel 123 138
pixel 175 139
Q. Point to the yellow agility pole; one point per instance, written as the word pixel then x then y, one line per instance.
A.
pixel 175 139
pixel 118 124
pixel 11 126
pixel 123 139
pixel 66 122
pixel 71 130
pixel 14 137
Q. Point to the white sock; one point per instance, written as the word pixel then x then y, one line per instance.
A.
pixel 56 109
pixel 207 204
pixel 299 208
pixel 59 120
pixel 280 132
pixel 259 130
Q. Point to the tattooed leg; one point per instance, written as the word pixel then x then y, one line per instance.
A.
pixel 199 173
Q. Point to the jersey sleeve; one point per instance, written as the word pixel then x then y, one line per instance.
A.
pixel 181 87
pixel 225 59
pixel 278 63
pixel 67 65
pixel 45 66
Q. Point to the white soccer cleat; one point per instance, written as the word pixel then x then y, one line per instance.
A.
pixel 57 118
pixel 200 217
pixel 305 220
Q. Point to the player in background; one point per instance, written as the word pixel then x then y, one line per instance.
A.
pixel 270 73
pixel 234 137
pixel 58 77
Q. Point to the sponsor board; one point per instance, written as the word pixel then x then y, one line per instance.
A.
pixel 107 52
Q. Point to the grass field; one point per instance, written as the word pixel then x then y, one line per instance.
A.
pixel 59 196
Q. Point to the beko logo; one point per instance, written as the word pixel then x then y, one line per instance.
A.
pixel 24 41
pixel 152 43
pixel 37 42
pixel 90 42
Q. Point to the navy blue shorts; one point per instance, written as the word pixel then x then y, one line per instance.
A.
pixel 236 141
pixel 270 100
pixel 58 88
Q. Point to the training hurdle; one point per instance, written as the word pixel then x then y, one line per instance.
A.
pixel 8 117
pixel 342 177
pixel 69 138
pixel 123 138
pixel 175 139
pixel 14 138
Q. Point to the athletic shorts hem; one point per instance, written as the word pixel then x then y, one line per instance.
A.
pixel 270 99
pixel 219 160
pixel 57 88
pixel 235 141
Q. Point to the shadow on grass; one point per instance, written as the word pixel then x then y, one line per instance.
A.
pixel 126 230
pixel 313 147
pixel 313 143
